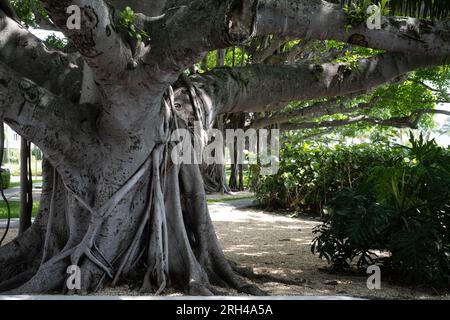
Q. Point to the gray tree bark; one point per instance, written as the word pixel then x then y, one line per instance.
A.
pixel 113 203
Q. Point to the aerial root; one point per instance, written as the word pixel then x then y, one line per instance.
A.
pixel 190 259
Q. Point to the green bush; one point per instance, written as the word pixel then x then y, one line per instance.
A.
pixel 6 178
pixel 403 209
pixel 310 174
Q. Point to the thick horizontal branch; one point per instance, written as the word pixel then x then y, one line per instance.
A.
pixel 62 130
pixel 318 109
pixel 261 88
pixel 320 19
pixel 186 32
pixel 51 69
pixel 411 121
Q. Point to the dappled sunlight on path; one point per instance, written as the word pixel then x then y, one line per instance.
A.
pixel 279 245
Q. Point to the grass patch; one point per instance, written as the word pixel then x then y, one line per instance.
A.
pixel 15 209
pixel 228 199
pixel 15 205
pixel 16 184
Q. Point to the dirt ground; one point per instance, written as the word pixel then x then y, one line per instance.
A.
pixel 279 245
pixel 12 233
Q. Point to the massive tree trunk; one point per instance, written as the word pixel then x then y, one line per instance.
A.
pixel 150 217
pixel 113 202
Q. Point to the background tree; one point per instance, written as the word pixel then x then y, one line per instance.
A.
pixel 26 186
pixel 102 111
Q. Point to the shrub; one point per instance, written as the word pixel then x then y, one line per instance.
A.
pixel 6 178
pixel 311 173
pixel 404 209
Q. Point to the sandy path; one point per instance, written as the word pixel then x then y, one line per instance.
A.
pixel 280 245
pixel 12 233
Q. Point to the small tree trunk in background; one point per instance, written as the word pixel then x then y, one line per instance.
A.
pixel 204 64
pixel 233 60
pixel 221 54
pixel 2 142
pixel 233 183
pixel 215 174
pixel 236 182
pixel 221 167
pixel 5 145
pixel 26 196
pixel 241 177
pixel 237 122
pixel 2 150
pixel 221 57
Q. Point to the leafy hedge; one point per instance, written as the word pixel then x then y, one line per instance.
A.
pixel 310 174
pixel 375 197
pixel 402 208
pixel 6 178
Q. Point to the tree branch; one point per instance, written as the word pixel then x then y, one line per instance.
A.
pixel 51 69
pixel 423 84
pixel 318 109
pixel 411 121
pixel 41 21
pixel 443 94
pixel 182 37
pixel 261 88
pixel 185 33
pixel 98 39
pixel 320 19
pixel 62 130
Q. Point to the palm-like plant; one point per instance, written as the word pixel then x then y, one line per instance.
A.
pixel 403 209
